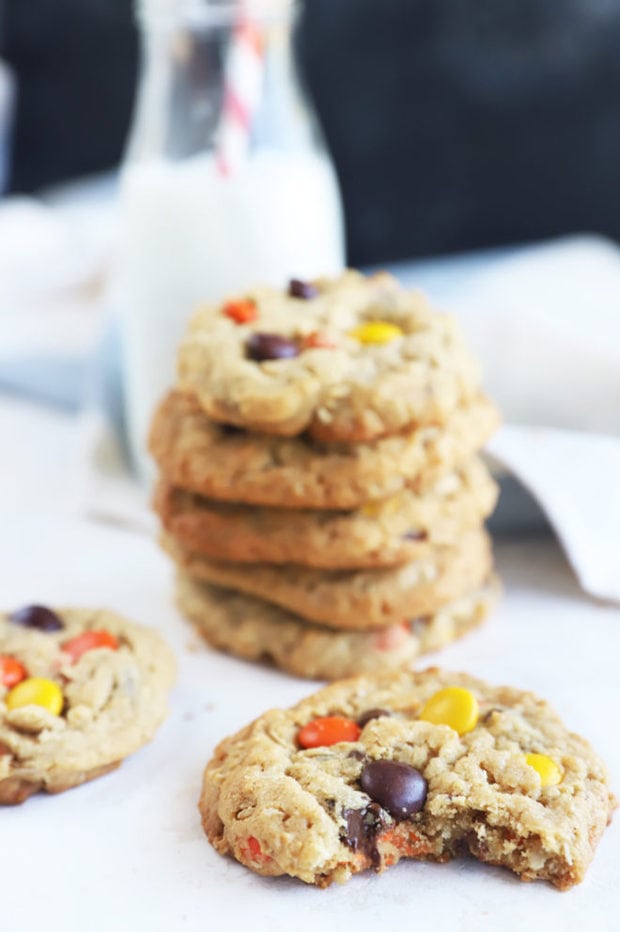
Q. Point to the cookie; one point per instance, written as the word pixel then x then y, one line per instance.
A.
pixel 230 465
pixel 80 689
pixel 256 630
pixel 359 599
pixel 426 765
pixel 382 533
pixel 360 358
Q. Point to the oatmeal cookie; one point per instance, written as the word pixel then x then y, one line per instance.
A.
pixel 357 359
pixel 426 765
pixel 196 454
pixel 359 599
pixel 80 689
pixel 256 630
pixel 387 532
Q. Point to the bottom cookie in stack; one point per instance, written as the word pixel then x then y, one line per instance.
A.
pixel 253 629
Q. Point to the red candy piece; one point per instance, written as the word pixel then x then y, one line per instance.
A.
pixel 242 312
pixel 322 732
pixel 12 671
pixel 89 640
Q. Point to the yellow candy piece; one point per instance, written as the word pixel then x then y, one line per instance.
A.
pixel 376 331
pixel 453 706
pixel 546 768
pixel 386 507
pixel 36 691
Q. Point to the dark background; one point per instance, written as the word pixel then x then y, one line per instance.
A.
pixel 454 124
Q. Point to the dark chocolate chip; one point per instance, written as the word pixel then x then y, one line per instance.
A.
pixel 300 289
pixel 262 346
pixel 356 755
pixel 415 535
pixel 397 787
pixel 369 714
pixel 230 430
pixel 362 828
pixel 36 616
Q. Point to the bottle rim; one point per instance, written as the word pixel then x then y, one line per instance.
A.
pixel 208 13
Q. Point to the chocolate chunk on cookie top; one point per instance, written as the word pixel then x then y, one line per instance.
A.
pixel 425 765
pixel 80 689
pixel 350 359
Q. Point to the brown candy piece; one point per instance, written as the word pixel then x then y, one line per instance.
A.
pixel 263 346
pixel 369 714
pixel 36 616
pixel 300 289
pixel 398 787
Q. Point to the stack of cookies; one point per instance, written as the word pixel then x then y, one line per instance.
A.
pixel 320 490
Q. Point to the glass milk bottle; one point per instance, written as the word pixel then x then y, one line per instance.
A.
pixel 227 182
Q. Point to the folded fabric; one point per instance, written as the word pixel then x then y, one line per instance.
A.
pixel 575 476
pixel 546 325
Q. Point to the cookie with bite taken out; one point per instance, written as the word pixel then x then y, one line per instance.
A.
pixel 426 765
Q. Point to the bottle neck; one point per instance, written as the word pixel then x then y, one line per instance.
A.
pixel 208 14
pixel 217 75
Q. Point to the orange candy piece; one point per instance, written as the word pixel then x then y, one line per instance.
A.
pixel 242 311
pixel 252 851
pixel 318 339
pixel 89 640
pixel 12 671
pixel 321 732
pixel 392 638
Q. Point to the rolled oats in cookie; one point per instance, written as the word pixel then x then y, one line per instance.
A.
pixel 359 359
pixel 229 464
pixel 360 775
pixel 80 689
pixel 253 629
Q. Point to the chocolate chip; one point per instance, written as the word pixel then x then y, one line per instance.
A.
pixel 230 430
pixel 300 289
pixel 369 714
pixel 36 616
pixel 399 788
pixel 415 535
pixel 362 828
pixel 356 755
pixel 262 346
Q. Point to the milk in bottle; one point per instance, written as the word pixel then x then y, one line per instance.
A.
pixel 214 196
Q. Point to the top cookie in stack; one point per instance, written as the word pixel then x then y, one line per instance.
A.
pixel 319 487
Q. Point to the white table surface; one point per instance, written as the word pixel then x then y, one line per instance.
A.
pixel 127 851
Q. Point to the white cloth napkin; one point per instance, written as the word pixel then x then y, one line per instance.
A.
pixel 546 325
pixel 575 476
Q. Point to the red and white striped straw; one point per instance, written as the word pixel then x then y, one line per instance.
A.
pixel 242 89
